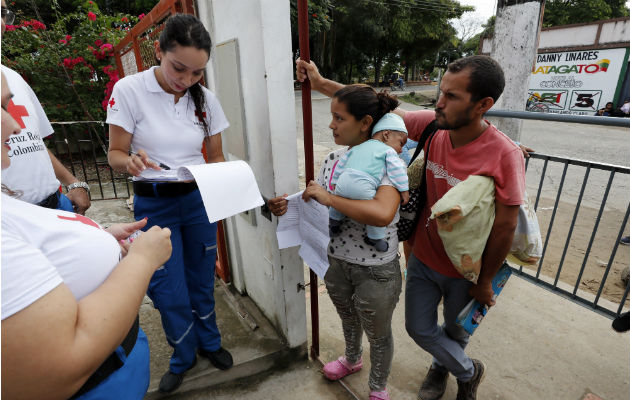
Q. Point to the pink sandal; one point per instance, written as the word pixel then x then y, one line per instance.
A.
pixel 339 368
pixel 382 395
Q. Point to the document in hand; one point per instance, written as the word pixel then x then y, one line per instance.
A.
pixel 470 317
pixel 227 188
pixel 305 224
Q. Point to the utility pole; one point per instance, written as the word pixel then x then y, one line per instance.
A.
pixel 514 47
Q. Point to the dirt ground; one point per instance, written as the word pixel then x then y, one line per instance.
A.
pixel 600 253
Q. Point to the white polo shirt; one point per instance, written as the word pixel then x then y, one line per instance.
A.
pixel 170 133
pixel 31 171
pixel 43 247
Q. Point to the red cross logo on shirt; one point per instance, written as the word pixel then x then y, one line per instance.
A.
pixel 201 117
pixel 80 218
pixel 111 102
pixel 17 112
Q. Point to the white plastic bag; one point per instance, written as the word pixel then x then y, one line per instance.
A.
pixel 527 244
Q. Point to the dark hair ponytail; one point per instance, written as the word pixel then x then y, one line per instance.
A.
pixel 362 100
pixel 386 103
pixel 187 30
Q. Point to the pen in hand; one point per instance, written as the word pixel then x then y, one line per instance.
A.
pixel 161 165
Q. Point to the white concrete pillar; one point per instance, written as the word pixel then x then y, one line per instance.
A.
pixel 254 39
pixel 515 43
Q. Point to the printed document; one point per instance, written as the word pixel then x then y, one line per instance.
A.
pixel 227 188
pixel 305 224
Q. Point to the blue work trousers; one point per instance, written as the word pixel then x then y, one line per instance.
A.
pixel 183 289
pixel 130 381
pixel 446 343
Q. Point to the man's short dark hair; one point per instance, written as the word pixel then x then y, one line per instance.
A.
pixel 486 76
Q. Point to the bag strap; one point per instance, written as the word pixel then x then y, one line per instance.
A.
pixel 427 135
pixel 428 131
pixel 423 183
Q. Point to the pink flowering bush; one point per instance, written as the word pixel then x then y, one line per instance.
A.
pixel 76 53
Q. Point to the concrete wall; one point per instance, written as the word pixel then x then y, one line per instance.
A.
pixel 269 276
pixel 569 36
pixel 611 32
pixel 615 31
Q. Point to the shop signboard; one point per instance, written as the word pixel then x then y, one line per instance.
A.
pixel 576 82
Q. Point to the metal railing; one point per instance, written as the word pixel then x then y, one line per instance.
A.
pixel 574 119
pixel 581 235
pixel 82 148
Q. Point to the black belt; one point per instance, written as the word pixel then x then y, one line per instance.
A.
pixel 112 363
pixel 172 189
pixel 51 201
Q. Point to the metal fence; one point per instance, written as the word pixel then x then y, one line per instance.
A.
pixel 82 148
pixel 583 209
pixel 587 261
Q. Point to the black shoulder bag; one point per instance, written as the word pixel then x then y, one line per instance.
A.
pixel 410 212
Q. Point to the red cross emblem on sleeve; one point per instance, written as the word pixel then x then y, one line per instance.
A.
pixel 80 218
pixel 201 116
pixel 17 112
pixel 111 102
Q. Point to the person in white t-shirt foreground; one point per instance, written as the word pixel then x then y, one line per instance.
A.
pixel 364 283
pixel 164 115
pixel 35 171
pixel 69 301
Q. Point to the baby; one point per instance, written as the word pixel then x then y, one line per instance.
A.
pixel 360 170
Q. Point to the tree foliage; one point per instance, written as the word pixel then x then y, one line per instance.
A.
pixel 565 12
pixel 70 63
pixel 361 38
pixel 48 11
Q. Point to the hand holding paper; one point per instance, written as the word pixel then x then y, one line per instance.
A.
pixel 306 224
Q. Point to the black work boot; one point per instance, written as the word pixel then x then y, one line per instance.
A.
pixel 171 381
pixel 468 390
pixel 434 384
pixel 222 359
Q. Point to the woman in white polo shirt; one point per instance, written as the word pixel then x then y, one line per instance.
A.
pixel 69 302
pixel 163 116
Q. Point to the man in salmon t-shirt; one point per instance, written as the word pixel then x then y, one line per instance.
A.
pixel 465 144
